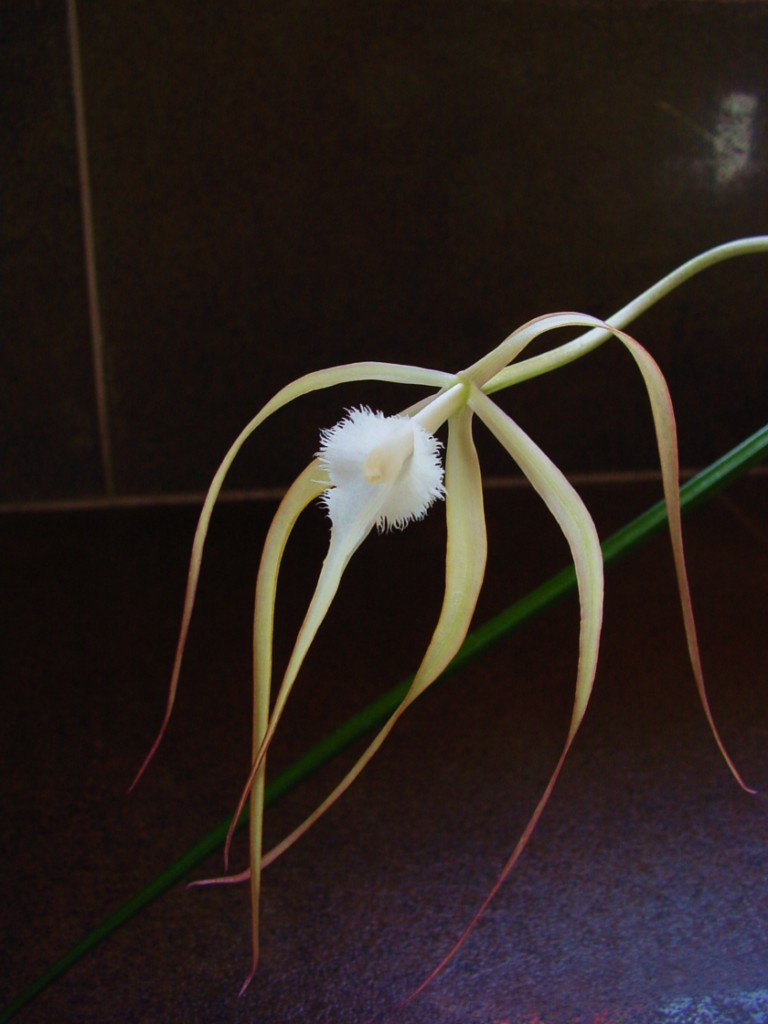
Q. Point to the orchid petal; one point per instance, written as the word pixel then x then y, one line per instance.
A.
pixel 318 380
pixel 304 490
pixel 355 521
pixel 666 437
pixel 579 530
pixel 576 524
pixel 664 422
pixel 510 436
pixel 489 373
pixel 466 553
pixel 342 547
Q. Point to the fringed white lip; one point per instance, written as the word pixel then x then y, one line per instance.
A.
pixel 388 459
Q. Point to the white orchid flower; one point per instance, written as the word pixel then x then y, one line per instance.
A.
pixel 382 471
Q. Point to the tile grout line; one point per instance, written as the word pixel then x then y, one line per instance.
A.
pixel 275 494
pixel 89 251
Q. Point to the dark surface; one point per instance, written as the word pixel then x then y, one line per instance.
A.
pixel 643 896
pixel 47 403
pixel 285 185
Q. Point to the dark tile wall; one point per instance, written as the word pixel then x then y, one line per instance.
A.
pixel 285 185
pixel 48 431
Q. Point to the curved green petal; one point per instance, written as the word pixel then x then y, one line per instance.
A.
pixel 342 547
pixel 318 380
pixel 663 416
pixel 576 524
pixel 560 499
pixel 490 367
pixel 666 438
pixel 466 553
pixel 346 537
pixel 305 489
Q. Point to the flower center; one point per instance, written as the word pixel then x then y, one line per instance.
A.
pixel 384 463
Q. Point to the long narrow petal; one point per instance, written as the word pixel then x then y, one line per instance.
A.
pixel 661 407
pixel 466 554
pixel 579 530
pixel 318 380
pixel 304 490
pixel 346 537
pixel 666 438
pixel 576 524
pixel 663 415
pixel 342 547
pixel 509 434
pixel 490 367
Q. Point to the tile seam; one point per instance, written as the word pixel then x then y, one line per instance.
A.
pixel 274 494
pixel 89 254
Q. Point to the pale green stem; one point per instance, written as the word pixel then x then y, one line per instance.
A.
pixel 580 346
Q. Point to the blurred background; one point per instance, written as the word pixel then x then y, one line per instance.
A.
pixel 275 187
